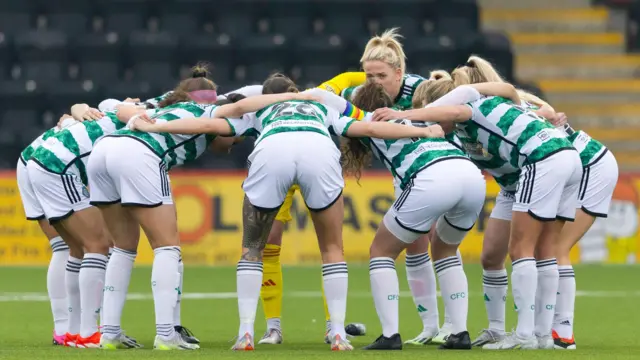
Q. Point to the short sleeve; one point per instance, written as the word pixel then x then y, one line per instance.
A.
pixel 458 96
pixel 474 110
pixel 152 113
pixel 110 104
pixel 330 99
pixel 209 111
pixel 241 127
pixel 349 92
pixel 248 91
pixel 156 100
pixel 251 118
pixel 340 124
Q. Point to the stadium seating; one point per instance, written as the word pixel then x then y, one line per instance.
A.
pixel 55 53
pixel 576 52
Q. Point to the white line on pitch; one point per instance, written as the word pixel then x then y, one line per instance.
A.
pixel 36 297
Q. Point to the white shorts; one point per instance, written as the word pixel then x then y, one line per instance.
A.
pixel 452 189
pixel 308 159
pixel 599 180
pixel 124 170
pixel 58 195
pixel 32 208
pixel 503 208
pixel 548 189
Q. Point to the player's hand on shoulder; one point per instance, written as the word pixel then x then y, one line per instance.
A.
pixel 434 131
pixel 385 114
pixel 92 114
pixel 65 120
pixel 141 122
pixel 559 120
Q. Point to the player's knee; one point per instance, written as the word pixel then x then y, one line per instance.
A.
pixel 449 233
pixel 126 243
pixel 97 247
pixel 493 255
pixel 76 250
pixel 99 243
pixel 332 254
pixel 493 260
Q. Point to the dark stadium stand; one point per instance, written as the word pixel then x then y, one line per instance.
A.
pixel 55 53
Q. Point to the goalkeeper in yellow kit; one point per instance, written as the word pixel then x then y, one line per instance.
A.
pixel 271 293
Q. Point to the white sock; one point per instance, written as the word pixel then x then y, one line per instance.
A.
pixel 72 282
pixel 495 284
pixel 386 292
pixel 164 277
pixel 524 281
pixel 273 323
pixel 422 283
pixel 546 295
pixel 446 325
pixel 176 311
pixel 249 282
pixel 56 287
pixel 116 285
pixel 563 319
pixel 92 272
pixel 455 291
pixel 335 279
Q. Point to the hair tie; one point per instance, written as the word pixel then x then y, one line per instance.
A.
pixel 204 96
pixel 199 74
pixel 470 64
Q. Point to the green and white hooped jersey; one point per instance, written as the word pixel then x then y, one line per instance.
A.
pixel 589 149
pixel 25 155
pixel 502 137
pixel 72 145
pixel 407 157
pixel 290 116
pixel 156 100
pixel 403 101
pixel 174 149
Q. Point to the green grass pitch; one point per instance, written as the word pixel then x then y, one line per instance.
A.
pixel 605 323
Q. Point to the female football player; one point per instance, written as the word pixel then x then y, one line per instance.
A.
pixel 506 136
pixel 293 132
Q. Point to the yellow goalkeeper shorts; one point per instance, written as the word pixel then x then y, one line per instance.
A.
pixel 284 214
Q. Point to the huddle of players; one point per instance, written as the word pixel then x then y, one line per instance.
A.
pixel 498 134
pixel 512 148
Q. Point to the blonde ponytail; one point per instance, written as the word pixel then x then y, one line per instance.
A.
pixel 420 94
pixel 530 98
pixel 460 77
pixel 386 48
pixel 439 74
pixel 431 90
pixel 480 70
